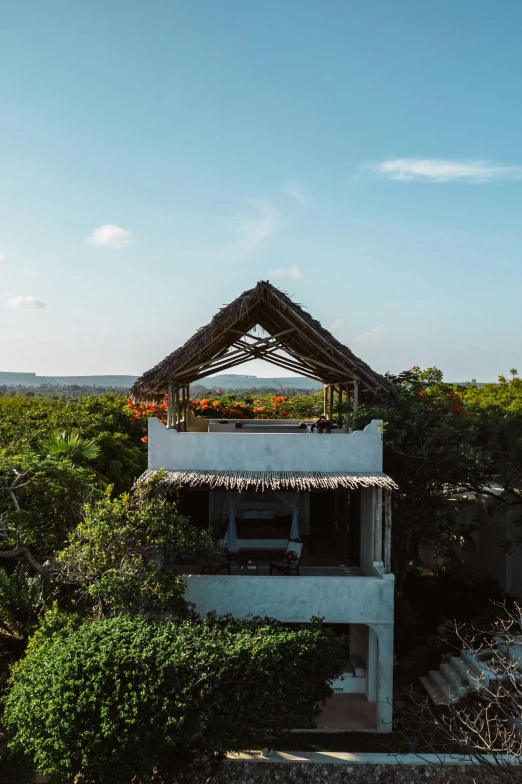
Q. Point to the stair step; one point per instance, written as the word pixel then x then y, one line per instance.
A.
pixel 436 696
pixel 513 649
pixel 454 678
pixel 476 666
pixel 467 675
pixel 447 689
pixel 357 665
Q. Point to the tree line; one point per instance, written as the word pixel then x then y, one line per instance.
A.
pixel 88 579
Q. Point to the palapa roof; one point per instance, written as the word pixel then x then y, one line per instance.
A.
pixel 270 480
pixel 296 342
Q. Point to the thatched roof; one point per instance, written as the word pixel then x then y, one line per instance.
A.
pixel 299 343
pixel 270 480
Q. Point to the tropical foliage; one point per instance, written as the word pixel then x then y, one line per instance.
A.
pixel 41 500
pixel 121 557
pixel 22 597
pixel 126 698
pixel 97 563
pixel 71 446
pixel 440 439
pixel 28 425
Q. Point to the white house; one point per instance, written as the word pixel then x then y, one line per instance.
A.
pixel 268 486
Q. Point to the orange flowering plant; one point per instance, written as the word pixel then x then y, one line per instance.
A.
pixel 227 406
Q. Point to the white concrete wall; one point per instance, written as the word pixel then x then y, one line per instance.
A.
pixel 367 600
pixel 358 451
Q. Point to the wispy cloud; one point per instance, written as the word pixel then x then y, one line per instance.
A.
pixel 297 191
pixel 26 303
pixel 252 231
pixel 375 337
pixel 336 325
pixel 2 260
pixel 440 170
pixel 288 272
pixel 110 236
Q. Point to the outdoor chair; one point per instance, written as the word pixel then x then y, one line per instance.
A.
pixel 290 563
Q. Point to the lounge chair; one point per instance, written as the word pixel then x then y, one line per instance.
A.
pixel 290 563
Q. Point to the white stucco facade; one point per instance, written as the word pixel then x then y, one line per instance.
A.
pixel 365 602
pixel 342 452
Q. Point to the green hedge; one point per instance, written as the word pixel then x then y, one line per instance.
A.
pixel 128 697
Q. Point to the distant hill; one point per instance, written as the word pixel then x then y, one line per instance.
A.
pixel 32 380
pixel 231 381
pixel 223 382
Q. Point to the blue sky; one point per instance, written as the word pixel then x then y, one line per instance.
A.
pixel 158 158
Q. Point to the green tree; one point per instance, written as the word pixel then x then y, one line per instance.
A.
pixel 27 425
pixel 430 450
pixel 41 501
pixel 123 553
pixel 125 698
pixel 498 412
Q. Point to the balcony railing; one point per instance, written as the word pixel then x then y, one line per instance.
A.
pixel 360 451
pixel 294 599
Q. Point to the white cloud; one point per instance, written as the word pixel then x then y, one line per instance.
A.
pixel 439 170
pixel 289 272
pixel 26 303
pixel 336 325
pixel 29 273
pixel 252 231
pixel 375 337
pixel 2 260
pixel 110 236
pixel 297 191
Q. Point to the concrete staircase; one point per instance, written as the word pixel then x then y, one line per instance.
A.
pixel 469 671
pixel 455 678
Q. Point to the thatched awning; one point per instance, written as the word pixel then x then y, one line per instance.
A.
pixel 270 480
pixel 296 342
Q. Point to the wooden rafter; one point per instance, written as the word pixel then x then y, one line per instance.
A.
pixel 294 341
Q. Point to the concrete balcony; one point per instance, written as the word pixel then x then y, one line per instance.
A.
pixel 365 603
pixel 360 451
pixel 338 599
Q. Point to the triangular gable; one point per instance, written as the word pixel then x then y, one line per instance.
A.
pixel 295 342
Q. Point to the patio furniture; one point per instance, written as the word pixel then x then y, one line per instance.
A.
pixel 290 562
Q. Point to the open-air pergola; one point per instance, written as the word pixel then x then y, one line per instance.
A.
pixel 262 323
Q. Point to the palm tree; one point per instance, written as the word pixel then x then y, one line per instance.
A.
pixel 71 446
pixel 514 372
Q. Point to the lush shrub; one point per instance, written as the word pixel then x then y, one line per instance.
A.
pixel 125 697
pixel 123 553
